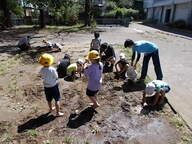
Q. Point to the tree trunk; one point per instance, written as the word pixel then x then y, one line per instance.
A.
pixel 6 14
pixel 87 12
pixel 42 18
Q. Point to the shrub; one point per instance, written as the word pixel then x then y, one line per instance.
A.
pixel 111 6
pixel 121 13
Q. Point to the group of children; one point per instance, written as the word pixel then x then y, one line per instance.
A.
pixel 100 59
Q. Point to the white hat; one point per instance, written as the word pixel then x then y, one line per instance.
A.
pixel 150 90
pixel 80 61
pixel 122 56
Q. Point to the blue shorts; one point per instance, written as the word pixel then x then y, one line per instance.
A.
pixel 52 93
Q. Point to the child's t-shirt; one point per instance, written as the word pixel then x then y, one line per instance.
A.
pixel 71 68
pixel 23 40
pixel 50 76
pixel 94 74
pixel 95 44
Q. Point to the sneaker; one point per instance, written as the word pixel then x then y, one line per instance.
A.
pixel 59 114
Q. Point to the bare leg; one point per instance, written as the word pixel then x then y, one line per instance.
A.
pixel 57 105
pixel 94 101
pixel 50 106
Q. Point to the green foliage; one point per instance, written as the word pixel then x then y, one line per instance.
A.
pixel 111 6
pixel 32 132
pixel 15 8
pixel 123 3
pixel 67 15
pixel 121 13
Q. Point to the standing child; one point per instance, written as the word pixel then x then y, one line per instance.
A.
pixel 96 42
pixel 50 81
pixel 94 74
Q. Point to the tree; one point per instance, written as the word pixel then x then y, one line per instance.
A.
pixel 87 12
pixel 8 7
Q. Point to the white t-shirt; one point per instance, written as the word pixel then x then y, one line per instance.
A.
pixel 23 40
pixel 50 76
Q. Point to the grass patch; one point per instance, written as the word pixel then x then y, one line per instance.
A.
pixel 186 139
pixel 32 132
pixel 6 138
pixel 74 28
pixel 8 64
pixel 68 140
pixel 177 122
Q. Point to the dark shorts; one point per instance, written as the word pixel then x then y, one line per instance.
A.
pixel 91 93
pixel 52 93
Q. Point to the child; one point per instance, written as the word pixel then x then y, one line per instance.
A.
pixel 107 57
pixel 94 74
pixel 154 93
pixel 62 66
pixel 95 43
pixel 52 45
pixel 50 81
pixel 24 43
pixel 73 69
pixel 125 71
pixel 121 67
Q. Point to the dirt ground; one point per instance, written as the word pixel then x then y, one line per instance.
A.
pixel 24 117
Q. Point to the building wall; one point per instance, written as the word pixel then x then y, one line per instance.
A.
pixel 149 13
pixel 164 14
pixel 157 14
pixel 183 12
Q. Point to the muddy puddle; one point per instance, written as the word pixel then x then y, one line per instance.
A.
pixel 123 128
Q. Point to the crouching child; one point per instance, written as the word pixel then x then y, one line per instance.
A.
pixel 154 93
pixel 50 81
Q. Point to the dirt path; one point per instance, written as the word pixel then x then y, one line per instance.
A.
pixel 119 120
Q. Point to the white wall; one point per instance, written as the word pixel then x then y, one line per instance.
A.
pixel 183 12
pixel 157 13
pixel 150 13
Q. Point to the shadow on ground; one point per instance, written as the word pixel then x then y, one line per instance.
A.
pixel 77 120
pixel 130 87
pixel 35 123
pixel 187 33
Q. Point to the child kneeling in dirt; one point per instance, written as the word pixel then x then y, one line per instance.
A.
pixel 93 72
pixel 24 43
pixel 73 69
pixel 154 93
pixel 52 45
pixel 62 66
pixel 50 81
pixel 124 70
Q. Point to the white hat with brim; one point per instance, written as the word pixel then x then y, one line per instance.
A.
pixel 150 90
pixel 122 56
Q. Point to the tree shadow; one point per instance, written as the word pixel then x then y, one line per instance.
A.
pixel 77 120
pixel 131 87
pixel 182 32
pixel 9 49
pixel 35 123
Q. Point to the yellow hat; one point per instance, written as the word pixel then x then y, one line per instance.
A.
pixel 46 59
pixel 93 55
